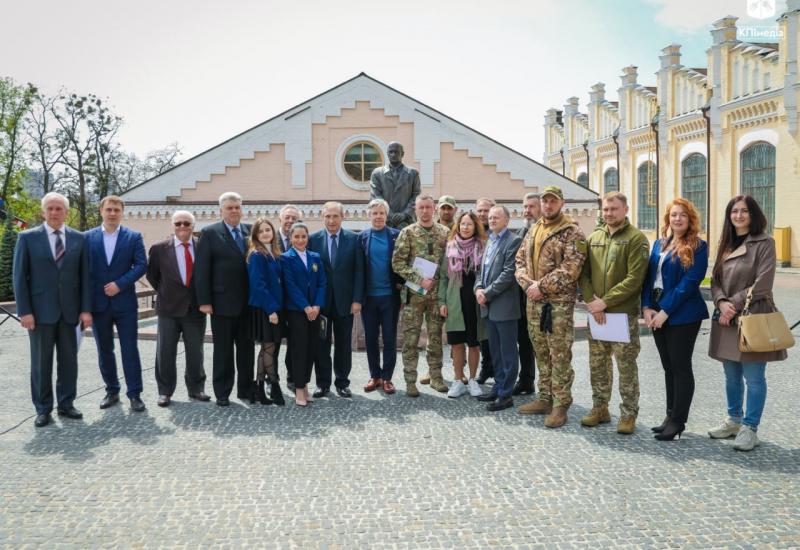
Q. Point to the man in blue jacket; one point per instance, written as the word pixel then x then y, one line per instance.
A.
pixel 116 261
pixel 51 286
pixel 344 267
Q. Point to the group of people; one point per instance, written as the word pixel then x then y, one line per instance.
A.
pixel 502 297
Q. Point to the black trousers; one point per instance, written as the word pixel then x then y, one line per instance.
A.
pixel 675 345
pixel 341 330
pixel 487 370
pixel 304 345
pixel 43 339
pixel 170 329
pixel 232 333
pixel 527 358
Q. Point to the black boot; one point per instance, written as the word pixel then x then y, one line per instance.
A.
pixel 659 429
pixel 276 394
pixel 261 394
pixel 671 430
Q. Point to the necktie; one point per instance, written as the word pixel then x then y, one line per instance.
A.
pixel 334 250
pixel 59 257
pixel 237 238
pixel 189 263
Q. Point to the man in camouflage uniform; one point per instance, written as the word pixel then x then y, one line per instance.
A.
pixel 447 208
pixel 425 239
pixel 549 264
pixel 611 282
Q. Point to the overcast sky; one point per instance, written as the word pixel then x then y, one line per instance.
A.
pixel 198 72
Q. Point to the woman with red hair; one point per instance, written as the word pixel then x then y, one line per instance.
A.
pixel 674 308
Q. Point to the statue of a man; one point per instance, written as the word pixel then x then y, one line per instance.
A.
pixel 398 185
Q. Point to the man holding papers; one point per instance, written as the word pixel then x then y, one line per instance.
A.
pixel 417 253
pixel 611 284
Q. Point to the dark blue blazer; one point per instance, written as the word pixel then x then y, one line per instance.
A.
pixel 364 240
pixel 303 287
pixel 346 278
pixel 128 265
pixel 681 299
pixel 45 291
pixel 266 290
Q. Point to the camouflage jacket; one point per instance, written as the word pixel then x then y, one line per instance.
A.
pixel 560 261
pixel 414 240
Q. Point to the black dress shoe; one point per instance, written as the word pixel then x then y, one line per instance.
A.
pixel 487 397
pixel 343 392
pixel 71 412
pixel 109 400
pixel 522 389
pixel 223 402
pixel 483 378
pixel 321 392
pixel 42 420
pixel 199 396
pixel 137 405
pixel 500 404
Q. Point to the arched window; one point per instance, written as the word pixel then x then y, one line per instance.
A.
pixel 757 168
pixel 610 180
pixel 361 159
pixel 693 184
pixel 646 194
pixel 583 179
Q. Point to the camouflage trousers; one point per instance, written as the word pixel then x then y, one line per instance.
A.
pixel 553 353
pixel 602 372
pixel 417 309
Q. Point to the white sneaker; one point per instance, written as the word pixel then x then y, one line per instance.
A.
pixel 474 388
pixel 728 428
pixel 746 439
pixel 457 389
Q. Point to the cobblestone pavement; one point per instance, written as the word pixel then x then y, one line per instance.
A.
pixel 388 471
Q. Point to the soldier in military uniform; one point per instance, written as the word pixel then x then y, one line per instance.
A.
pixel 398 185
pixel 549 265
pixel 611 282
pixel 447 208
pixel 425 239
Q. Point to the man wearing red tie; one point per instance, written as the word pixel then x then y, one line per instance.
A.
pixel 170 274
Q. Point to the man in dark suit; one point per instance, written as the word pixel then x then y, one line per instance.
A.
pixel 222 290
pixel 170 272
pixel 51 286
pixel 288 216
pixel 344 267
pixel 531 209
pixel 116 261
pixel 497 293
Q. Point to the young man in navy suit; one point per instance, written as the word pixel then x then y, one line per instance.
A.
pixel 116 261
pixel 51 286
pixel 344 266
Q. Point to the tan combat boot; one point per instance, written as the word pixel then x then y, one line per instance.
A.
pixel 438 385
pixel 627 425
pixel 536 406
pixel 425 379
pixel 557 418
pixel 411 389
pixel 598 415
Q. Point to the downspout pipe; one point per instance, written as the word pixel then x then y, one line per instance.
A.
pixel 705 109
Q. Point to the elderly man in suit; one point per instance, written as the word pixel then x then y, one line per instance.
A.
pixel 498 296
pixel 51 286
pixel 170 272
pixel 289 215
pixel 343 259
pixel 398 185
pixel 116 261
pixel 222 287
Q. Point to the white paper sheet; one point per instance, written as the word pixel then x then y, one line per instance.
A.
pixel 615 328
pixel 425 269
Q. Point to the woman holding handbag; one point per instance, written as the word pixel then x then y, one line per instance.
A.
pixel 745 264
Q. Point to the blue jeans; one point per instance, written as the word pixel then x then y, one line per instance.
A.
pixel 736 374
pixel 380 313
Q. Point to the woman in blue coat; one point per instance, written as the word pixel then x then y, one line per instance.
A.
pixel 304 296
pixel 266 301
pixel 674 308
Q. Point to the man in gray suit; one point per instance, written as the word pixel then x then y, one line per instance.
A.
pixel 51 286
pixel 398 185
pixel 498 296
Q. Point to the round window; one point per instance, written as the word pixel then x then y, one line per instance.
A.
pixel 361 159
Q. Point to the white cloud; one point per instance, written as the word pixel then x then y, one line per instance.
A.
pixel 692 16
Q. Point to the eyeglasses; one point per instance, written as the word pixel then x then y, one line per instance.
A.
pixel 182 224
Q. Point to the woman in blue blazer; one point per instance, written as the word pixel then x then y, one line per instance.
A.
pixel 304 293
pixel 266 301
pixel 674 308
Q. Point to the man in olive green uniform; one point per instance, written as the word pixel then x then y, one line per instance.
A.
pixel 611 282
pixel 447 208
pixel 549 264
pixel 425 239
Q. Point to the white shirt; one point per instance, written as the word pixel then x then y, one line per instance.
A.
pixel 181 255
pixel 110 243
pixel 287 244
pixel 303 256
pixel 51 237
pixel 659 282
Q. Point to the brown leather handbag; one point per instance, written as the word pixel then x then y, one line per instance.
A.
pixel 763 332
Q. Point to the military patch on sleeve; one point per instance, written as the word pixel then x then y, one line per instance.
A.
pixel 581 246
pixel 645 251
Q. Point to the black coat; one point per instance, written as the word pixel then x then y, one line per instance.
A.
pixel 220 271
pixel 174 299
